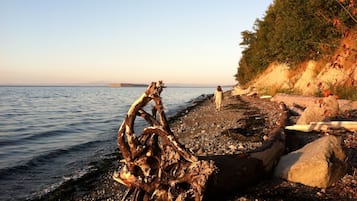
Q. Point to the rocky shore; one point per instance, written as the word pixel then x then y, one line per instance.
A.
pixel 240 126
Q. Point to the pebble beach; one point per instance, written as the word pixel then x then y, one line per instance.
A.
pixel 240 126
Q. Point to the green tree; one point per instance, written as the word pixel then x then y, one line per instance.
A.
pixel 294 31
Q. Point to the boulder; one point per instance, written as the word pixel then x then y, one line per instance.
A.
pixel 320 110
pixel 318 164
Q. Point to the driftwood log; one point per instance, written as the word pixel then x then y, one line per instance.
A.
pixel 157 167
pixel 324 126
pixel 235 172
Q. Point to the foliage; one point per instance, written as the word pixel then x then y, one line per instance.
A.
pixel 272 91
pixel 292 32
pixel 346 92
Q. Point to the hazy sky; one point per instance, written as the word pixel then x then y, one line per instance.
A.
pixel 90 41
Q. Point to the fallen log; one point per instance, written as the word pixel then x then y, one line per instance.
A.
pixel 324 126
pixel 305 101
pixel 274 147
pixel 157 167
pixel 239 171
pixel 296 110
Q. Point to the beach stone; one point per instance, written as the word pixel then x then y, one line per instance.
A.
pixel 320 111
pixel 200 151
pixel 240 146
pixel 318 164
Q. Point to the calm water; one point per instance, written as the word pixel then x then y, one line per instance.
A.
pixel 51 134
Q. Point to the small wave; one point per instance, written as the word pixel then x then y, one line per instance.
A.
pixel 44 158
pixel 39 136
pixel 93 121
pixel 50 188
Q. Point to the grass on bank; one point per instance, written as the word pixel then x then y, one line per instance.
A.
pixel 343 92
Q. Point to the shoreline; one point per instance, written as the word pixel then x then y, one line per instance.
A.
pixel 186 125
pixel 99 185
pixel 74 189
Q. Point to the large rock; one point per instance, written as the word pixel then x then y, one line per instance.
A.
pixel 317 164
pixel 320 110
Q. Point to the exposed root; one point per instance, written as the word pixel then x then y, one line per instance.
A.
pixel 156 166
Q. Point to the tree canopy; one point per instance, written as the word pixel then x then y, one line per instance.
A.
pixel 294 31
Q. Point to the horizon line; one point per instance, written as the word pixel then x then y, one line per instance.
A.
pixel 107 85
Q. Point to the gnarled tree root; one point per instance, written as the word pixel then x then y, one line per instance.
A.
pixel 156 166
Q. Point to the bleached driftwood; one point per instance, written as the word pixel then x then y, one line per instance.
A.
pixel 305 101
pixel 324 126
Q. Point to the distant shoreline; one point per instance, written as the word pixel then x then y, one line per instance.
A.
pixel 107 85
pixel 126 85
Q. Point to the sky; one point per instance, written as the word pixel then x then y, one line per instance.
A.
pixel 134 41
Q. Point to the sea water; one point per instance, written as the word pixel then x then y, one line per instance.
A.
pixel 51 134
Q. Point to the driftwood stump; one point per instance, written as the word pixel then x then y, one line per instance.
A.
pixel 156 166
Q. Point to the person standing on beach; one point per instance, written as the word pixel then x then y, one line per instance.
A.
pixel 218 97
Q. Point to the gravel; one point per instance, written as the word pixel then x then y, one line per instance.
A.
pixel 239 127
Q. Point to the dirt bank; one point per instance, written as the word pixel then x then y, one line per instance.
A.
pixel 336 72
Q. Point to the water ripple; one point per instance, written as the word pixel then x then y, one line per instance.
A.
pixel 49 132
